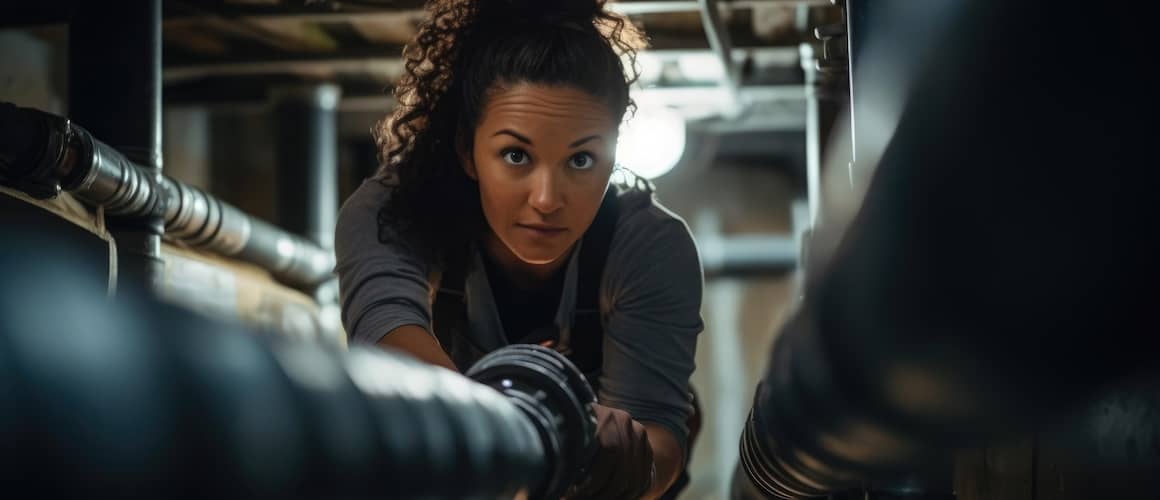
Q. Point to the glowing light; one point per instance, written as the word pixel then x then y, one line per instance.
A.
pixel 651 142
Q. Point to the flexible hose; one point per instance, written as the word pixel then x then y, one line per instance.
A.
pixel 135 399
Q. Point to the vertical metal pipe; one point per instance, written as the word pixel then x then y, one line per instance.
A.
pixel 306 145
pixel 717 34
pixel 855 22
pixel 813 135
pixel 115 90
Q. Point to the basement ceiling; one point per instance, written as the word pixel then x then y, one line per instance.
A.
pixel 236 49
pixel 225 53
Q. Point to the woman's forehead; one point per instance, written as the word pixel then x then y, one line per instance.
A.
pixel 538 106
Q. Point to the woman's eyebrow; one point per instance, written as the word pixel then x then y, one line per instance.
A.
pixel 512 133
pixel 582 141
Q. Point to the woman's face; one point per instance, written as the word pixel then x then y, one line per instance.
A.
pixel 542 156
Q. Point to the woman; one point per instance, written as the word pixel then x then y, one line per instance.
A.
pixel 492 221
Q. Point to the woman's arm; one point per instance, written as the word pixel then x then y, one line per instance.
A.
pixel 418 342
pixel 383 285
pixel 652 286
pixel 667 455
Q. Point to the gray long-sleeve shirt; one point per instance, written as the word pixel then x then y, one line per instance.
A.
pixel 650 301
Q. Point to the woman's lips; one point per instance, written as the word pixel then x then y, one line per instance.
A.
pixel 543 230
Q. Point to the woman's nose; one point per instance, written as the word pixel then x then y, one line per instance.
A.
pixel 546 196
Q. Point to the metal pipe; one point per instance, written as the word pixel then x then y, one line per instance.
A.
pixel 122 104
pixel 391 67
pixel 855 24
pixel 747 255
pixel 741 255
pixel 62 155
pixel 307 156
pixel 138 399
pixel 813 135
pixel 963 301
pixel 718 36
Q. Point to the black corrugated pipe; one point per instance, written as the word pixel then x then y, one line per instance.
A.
pixel 114 88
pixel 136 399
pixel 1002 267
pixel 41 154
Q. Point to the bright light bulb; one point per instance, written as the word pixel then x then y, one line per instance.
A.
pixel 651 142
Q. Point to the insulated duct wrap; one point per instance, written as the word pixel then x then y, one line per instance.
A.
pixel 136 399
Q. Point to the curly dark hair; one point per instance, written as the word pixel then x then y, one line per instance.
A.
pixel 464 49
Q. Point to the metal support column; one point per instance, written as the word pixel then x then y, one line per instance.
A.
pixel 306 133
pixel 115 90
pixel 815 135
pixel 855 26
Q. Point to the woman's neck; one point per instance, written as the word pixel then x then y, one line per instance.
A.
pixel 520 274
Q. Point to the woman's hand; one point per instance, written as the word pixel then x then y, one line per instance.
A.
pixel 623 467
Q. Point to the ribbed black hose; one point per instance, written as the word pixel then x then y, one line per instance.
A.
pixel 1002 267
pixel 133 399
pixel 42 154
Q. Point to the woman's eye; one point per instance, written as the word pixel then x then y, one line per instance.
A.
pixel 582 161
pixel 515 157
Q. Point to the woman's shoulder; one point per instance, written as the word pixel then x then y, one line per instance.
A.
pixel 649 235
pixel 369 195
pixel 361 210
pixel 641 214
pixel 359 227
pixel 653 267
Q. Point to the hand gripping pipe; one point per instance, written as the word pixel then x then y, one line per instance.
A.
pixel 1001 270
pixel 133 399
pixel 41 154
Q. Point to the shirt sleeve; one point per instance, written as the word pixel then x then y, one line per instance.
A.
pixel 652 302
pixel 382 285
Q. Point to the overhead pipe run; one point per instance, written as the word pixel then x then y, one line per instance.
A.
pixel 138 399
pixel 748 255
pixel 387 14
pixel 42 154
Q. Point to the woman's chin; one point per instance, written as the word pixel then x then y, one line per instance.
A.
pixel 539 256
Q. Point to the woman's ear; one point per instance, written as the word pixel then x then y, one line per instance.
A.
pixel 466 159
